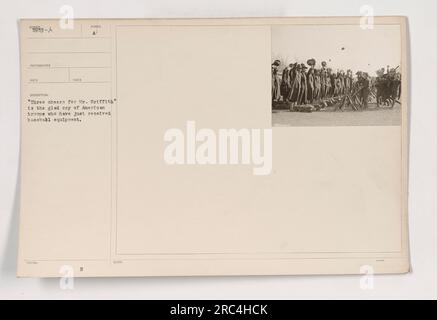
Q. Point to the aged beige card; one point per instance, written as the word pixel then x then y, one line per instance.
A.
pixel 259 146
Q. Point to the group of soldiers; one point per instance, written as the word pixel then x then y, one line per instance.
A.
pixel 299 85
pixel 388 86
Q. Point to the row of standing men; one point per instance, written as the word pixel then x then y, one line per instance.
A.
pixel 301 85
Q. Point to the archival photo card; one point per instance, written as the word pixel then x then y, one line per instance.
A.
pixel 197 147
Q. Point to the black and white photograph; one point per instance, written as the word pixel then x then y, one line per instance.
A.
pixel 336 75
pixel 217 159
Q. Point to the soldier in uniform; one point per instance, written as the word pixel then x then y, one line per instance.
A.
pixel 310 80
pixel 276 95
pixel 364 85
pixel 333 77
pixel 348 81
pixel 304 85
pixel 342 83
pixel 285 82
pixel 296 84
pixel 311 85
pixel 317 86
pixel 337 84
pixel 328 85
pixel 323 80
